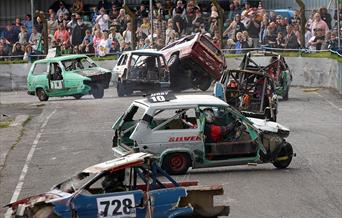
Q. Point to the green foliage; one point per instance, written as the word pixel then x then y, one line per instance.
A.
pixel 4 124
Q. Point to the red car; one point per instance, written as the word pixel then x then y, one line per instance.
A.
pixel 194 59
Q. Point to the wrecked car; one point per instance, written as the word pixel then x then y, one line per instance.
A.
pixel 71 75
pixel 195 62
pixel 250 92
pixel 275 65
pixel 129 186
pixel 175 129
pixel 141 70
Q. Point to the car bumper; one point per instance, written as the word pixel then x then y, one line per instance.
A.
pixel 120 151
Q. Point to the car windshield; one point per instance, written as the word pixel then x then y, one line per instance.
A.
pixel 78 64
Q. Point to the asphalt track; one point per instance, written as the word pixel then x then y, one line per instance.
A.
pixel 69 135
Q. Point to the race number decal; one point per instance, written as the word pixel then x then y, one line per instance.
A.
pixel 57 84
pixel 161 97
pixel 116 206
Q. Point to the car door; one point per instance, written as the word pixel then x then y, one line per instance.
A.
pixel 172 129
pixel 56 79
pixel 121 66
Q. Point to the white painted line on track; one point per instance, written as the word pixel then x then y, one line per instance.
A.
pixel 332 104
pixel 20 184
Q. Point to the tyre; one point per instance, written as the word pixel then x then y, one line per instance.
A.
pixel 45 212
pixel 176 163
pixel 285 156
pixel 205 84
pixel 77 96
pixel 173 60
pixel 41 94
pixel 97 91
pixel 120 89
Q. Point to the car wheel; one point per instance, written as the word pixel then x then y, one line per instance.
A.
pixel 284 156
pixel 45 212
pixel 41 94
pixel 176 163
pixel 77 96
pixel 205 84
pixel 98 91
pixel 120 89
pixel 174 59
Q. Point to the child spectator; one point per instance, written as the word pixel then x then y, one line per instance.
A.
pixel 170 33
pixel 23 35
pixel 62 34
pixel 35 36
pixel 105 45
pixel 17 51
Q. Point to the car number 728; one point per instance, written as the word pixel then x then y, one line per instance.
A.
pixel 116 206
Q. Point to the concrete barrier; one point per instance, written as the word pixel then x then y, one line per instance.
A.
pixel 308 72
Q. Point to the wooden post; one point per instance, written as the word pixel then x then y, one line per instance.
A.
pixel 220 21
pixel 302 21
pixel 133 17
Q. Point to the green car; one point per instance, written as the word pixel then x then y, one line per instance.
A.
pixel 72 75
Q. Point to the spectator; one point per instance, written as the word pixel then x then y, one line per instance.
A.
pixel 168 9
pixel 325 16
pixel 141 43
pixel 28 53
pixel 96 40
pixel 217 42
pixel 17 25
pixel 239 44
pixel 230 44
pixel 170 33
pixel 248 42
pixel 62 9
pixel 179 9
pixel 147 44
pixel 122 20
pixel 141 14
pixel 235 27
pixel 263 31
pixel 189 17
pixel 326 40
pixel 103 4
pixel 178 22
pixel 88 37
pixel 280 40
pixel 160 25
pixel 105 45
pixel 340 12
pixel 35 36
pixel 158 10
pixel 127 47
pixel 116 37
pixel 319 24
pixel 307 36
pixel 102 19
pixel 52 24
pixel 86 47
pixel 235 9
pixel 272 17
pixel 291 41
pixel 78 32
pixel 127 35
pixel 332 43
pixel 61 34
pixel 281 25
pixel 28 23
pixel 114 13
pixel 315 43
pixel 60 20
pixel 198 20
pixel 73 22
pixel 17 51
pixel 10 34
pixel 77 7
pixel 253 28
pixel 3 52
pixel 66 48
pixel 23 35
pixel 39 24
pixel 145 26
pixel 159 44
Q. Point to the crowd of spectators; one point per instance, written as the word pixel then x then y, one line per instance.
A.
pixel 251 27
pixel 107 28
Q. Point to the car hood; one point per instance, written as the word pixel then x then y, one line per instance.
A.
pixel 92 71
pixel 269 126
pixel 46 197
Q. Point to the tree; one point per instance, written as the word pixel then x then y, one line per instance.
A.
pixel 302 21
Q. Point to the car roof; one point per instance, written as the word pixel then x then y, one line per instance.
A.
pixel 61 58
pixel 144 52
pixel 134 159
pixel 185 100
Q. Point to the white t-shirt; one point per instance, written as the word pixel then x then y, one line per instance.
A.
pixel 102 20
pixel 127 36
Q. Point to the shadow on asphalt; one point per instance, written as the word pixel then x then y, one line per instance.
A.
pixel 241 170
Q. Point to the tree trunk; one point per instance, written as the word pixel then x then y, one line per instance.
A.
pixel 302 21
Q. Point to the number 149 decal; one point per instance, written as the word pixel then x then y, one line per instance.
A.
pixel 116 206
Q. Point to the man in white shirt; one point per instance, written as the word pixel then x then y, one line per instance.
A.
pixel 127 34
pixel 102 19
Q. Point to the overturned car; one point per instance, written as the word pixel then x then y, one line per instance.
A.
pixel 195 62
pixel 129 186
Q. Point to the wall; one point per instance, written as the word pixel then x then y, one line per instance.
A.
pixel 308 72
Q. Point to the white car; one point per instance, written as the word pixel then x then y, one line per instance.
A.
pixel 174 128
